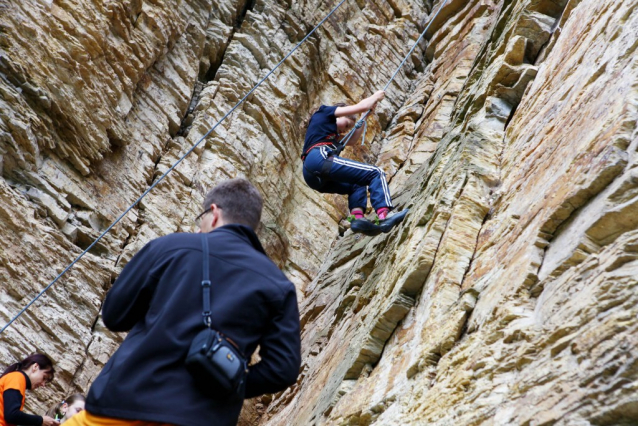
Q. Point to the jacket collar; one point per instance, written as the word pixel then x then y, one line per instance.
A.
pixel 26 377
pixel 244 232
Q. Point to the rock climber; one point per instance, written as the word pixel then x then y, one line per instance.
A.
pixel 326 172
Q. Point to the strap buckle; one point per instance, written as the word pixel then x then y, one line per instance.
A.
pixel 205 284
pixel 207 318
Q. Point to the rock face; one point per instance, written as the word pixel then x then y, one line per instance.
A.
pixel 508 296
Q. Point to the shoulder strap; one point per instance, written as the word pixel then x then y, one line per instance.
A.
pixel 206 282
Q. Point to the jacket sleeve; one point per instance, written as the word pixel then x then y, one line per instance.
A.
pixel 12 414
pixel 280 351
pixel 128 300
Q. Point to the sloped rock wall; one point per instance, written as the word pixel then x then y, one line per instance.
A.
pixel 507 296
pixel 100 98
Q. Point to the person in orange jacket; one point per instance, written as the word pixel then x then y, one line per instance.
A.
pixel 33 372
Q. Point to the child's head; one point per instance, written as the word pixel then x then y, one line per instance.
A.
pixel 347 122
pixel 68 408
pixel 75 404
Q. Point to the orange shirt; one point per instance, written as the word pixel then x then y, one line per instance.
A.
pixel 13 380
pixel 84 418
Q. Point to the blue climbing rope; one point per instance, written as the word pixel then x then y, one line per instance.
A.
pixel 363 136
pixel 365 116
pixel 212 129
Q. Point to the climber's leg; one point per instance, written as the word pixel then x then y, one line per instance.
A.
pixel 318 174
pixel 363 175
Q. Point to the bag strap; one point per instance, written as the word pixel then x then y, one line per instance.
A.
pixel 206 292
pixel 206 282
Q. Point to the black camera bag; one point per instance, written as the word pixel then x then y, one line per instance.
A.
pixel 215 362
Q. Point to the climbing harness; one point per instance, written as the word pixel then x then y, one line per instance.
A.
pixel 172 167
pixel 362 120
pixel 336 152
pixel 327 165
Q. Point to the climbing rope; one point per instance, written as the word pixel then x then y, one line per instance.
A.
pixel 171 168
pixel 363 119
pixel 365 128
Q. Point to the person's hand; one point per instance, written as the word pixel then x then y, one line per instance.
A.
pixel 49 421
pixel 375 98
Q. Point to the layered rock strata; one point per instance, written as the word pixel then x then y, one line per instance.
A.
pixel 507 296
pixel 99 99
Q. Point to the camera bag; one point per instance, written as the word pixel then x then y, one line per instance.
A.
pixel 216 364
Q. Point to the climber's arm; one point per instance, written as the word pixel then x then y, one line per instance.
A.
pixel 363 106
pixel 356 136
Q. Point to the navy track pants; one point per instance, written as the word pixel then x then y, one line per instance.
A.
pixel 347 177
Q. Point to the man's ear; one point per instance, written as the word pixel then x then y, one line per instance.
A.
pixel 218 219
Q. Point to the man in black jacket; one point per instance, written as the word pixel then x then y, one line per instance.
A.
pixel 158 299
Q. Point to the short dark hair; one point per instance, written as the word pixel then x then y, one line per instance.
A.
pixel 239 200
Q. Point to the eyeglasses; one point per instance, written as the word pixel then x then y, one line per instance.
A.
pixel 198 219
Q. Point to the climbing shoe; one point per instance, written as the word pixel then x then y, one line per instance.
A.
pixel 365 227
pixel 392 219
